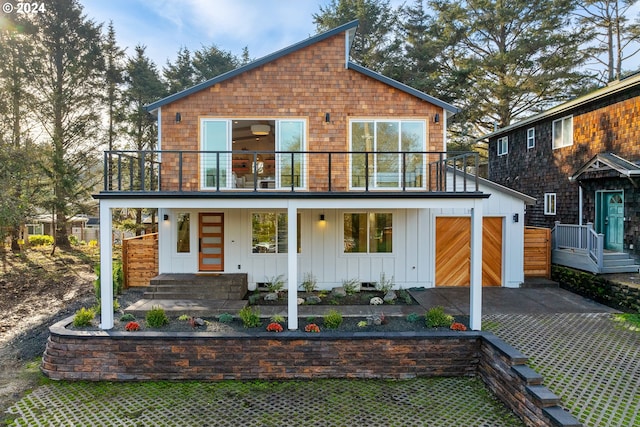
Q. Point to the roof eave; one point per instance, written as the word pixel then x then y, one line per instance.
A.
pixel 403 87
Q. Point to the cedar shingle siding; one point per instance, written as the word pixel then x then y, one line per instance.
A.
pixel 609 124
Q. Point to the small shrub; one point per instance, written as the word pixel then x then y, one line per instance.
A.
pixel 351 286
pixel 132 326
pixel 312 327
pixel 436 318
pixel 40 240
pixel 250 317
pixel 405 296
pixel 412 317
pixel 275 283
pixel 254 298
pixel 184 317
pixel 127 317
pixel 156 318
pixel 311 319
pixel 277 318
pixel 225 318
pixel 274 327
pixel 384 285
pixel 73 240
pixel 309 283
pixel 93 243
pixel 83 317
pixel 362 324
pixel 333 319
pixel 116 305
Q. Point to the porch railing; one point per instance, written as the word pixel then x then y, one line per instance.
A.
pixel 291 171
pixel 581 237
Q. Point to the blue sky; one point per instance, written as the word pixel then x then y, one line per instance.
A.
pixel 264 26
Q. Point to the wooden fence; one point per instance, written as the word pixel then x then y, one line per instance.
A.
pixel 140 260
pixel 537 252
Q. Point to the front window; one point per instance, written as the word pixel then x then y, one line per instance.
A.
pixel 269 233
pixel 387 153
pixel 563 132
pixel 368 232
pixel 503 145
pixel 549 203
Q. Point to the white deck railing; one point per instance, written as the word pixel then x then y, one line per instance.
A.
pixel 583 237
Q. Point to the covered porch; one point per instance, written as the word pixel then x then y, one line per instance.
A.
pixel 303 208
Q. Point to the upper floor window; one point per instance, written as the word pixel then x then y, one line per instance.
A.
pixel 503 145
pixel 531 138
pixel 368 232
pixel 387 153
pixel 549 203
pixel 563 132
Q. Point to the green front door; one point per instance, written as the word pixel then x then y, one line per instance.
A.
pixel 613 210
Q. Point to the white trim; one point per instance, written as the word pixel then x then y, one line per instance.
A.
pixel 564 138
pixel 547 207
pixel 503 145
pixel 531 139
pixel 475 297
pixel 292 266
pixel 106 267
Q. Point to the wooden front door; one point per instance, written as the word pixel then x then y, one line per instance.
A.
pixel 453 251
pixel 211 242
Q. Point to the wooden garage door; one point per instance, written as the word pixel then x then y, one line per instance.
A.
pixel 453 251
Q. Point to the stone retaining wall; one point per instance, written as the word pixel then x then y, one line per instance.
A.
pixel 598 288
pixel 126 356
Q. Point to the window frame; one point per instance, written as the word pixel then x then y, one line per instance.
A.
pixel 368 237
pixel 531 138
pixel 566 140
pixel 503 145
pixel 550 203
pixel 277 214
pixel 377 157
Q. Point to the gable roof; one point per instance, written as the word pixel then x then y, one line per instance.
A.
pixel 349 28
pixel 611 89
pixel 609 161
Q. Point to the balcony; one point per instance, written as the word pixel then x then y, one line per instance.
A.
pixel 223 172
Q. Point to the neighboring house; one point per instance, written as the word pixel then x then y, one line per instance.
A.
pixel 580 160
pixel 305 162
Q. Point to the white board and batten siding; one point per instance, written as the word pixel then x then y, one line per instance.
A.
pixel 411 264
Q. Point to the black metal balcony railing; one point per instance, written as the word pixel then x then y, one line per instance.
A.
pixel 354 171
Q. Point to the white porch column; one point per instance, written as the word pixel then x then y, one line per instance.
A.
pixel 475 300
pixel 106 267
pixel 292 263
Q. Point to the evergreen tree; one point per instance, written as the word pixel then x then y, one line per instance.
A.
pixel 67 84
pixel 374 45
pixel 20 178
pixel 615 36
pixel 181 74
pixel 520 57
pixel 209 62
pixel 114 77
pixel 143 86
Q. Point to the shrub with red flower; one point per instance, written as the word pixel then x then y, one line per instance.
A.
pixel 132 326
pixel 311 327
pixel 274 327
pixel 456 326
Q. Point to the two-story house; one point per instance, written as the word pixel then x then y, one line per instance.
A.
pixel 306 163
pixel 580 160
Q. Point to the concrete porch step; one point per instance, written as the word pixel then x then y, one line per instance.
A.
pixel 197 286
